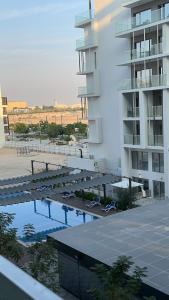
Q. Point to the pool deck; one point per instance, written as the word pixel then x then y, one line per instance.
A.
pixel 80 204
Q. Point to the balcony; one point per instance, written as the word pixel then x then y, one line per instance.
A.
pixel 144 83
pixel 155 140
pixel 134 3
pixel 132 139
pixel 4 101
pixel 5 120
pixel 155 112
pixel 155 49
pixel 133 23
pixel 133 112
pixel 85 44
pixel 86 92
pixel 83 19
pixel 84 70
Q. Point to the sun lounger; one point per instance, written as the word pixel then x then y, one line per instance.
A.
pixel 68 195
pixel 94 203
pixel 110 206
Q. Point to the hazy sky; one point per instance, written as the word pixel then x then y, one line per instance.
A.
pixel 37 58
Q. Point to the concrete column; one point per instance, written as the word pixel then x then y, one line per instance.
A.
pixel 143 119
pixel 166 139
pixel 151 187
pixel 165 33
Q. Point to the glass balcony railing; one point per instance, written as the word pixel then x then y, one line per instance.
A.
pixel 83 17
pixel 155 112
pixel 85 69
pixel 132 139
pixel 155 140
pixel 155 49
pixel 148 82
pixel 84 91
pixel 133 22
pixel 133 112
pixel 85 43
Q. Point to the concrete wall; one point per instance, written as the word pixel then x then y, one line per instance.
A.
pixel 107 106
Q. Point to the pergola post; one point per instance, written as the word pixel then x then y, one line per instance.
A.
pixel 32 166
pixel 47 167
pixel 104 191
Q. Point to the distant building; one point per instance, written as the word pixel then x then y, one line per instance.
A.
pixel 4 124
pixel 17 106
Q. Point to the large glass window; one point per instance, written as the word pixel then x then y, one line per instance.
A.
pixel 143 17
pixel 143 48
pixel 139 160
pixel 158 162
pixel 159 189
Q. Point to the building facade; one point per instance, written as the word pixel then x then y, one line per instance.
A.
pixel 125 57
pixel 4 124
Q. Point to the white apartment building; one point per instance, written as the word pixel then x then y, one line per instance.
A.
pixel 125 57
pixel 4 126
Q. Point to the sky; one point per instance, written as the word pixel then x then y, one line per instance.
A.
pixel 38 62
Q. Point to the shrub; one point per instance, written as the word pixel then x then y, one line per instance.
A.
pixel 126 200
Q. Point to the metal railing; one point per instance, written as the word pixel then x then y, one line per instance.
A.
pixel 155 111
pixel 155 49
pixel 147 82
pixel 45 148
pixel 132 139
pixel 83 17
pixel 155 140
pixel 133 22
pixel 133 112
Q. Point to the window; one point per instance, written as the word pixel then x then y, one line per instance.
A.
pixel 143 17
pixel 139 160
pixel 144 74
pixel 143 48
pixel 159 189
pixel 158 162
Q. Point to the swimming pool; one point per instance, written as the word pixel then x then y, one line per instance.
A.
pixel 46 217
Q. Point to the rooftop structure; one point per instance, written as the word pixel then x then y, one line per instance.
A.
pixel 141 233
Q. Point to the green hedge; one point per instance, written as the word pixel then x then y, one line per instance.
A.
pixel 91 197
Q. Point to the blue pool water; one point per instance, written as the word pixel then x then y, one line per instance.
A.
pixel 46 216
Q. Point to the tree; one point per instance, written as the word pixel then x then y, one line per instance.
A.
pixel 43 126
pixel 43 264
pixel 21 128
pixel 54 130
pixel 9 246
pixel 116 284
pixel 82 128
pixel 28 231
